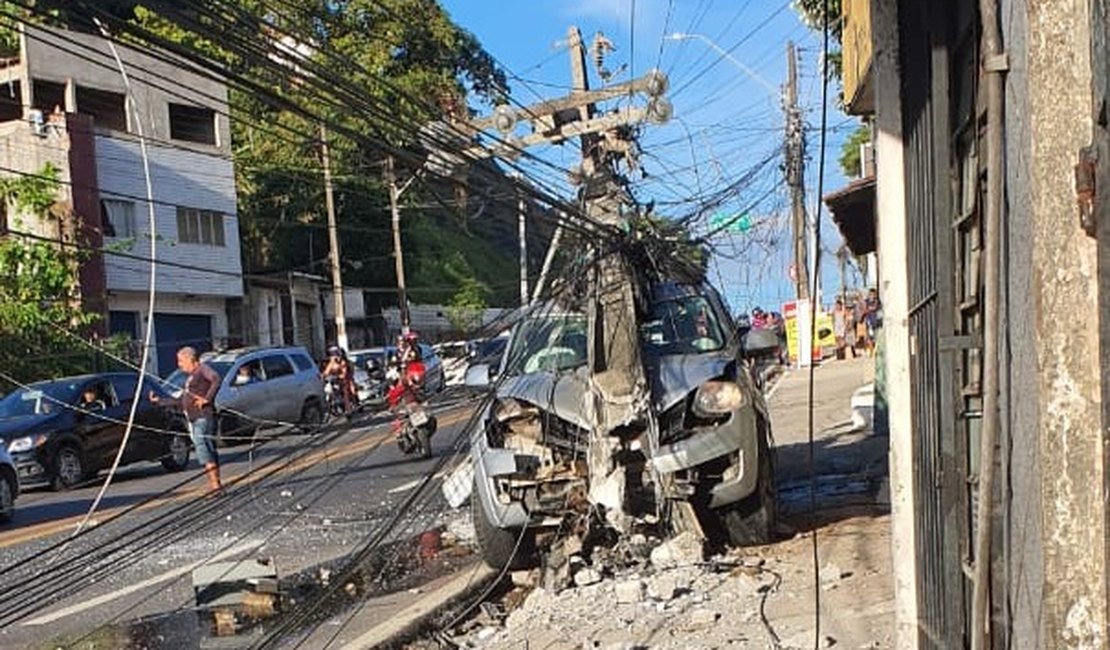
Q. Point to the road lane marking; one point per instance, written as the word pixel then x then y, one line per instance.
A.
pixel 139 586
pixel 48 528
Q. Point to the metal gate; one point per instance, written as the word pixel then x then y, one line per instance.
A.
pixel 934 93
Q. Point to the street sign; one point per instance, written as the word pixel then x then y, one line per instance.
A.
pixel 731 222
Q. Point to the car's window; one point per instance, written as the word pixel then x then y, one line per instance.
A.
pixel 125 386
pixel 427 353
pixel 685 325
pixel 248 372
pixel 555 343
pixel 302 362
pixel 276 365
pixel 96 394
pixel 38 399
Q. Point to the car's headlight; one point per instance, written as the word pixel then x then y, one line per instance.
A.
pixel 718 398
pixel 26 443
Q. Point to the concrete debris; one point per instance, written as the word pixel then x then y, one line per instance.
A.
pixel 702 617
pixel 683 549
pixel 663 588
pixel 462 529
pixel 524 578
pixel 287 493
pixel 351 589
pixel 324 576
pixel 630 591
pixel 586 577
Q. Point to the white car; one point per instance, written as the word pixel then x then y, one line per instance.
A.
pixel 456 357
pixel 9 485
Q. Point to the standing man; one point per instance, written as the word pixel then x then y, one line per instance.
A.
pixel 196 401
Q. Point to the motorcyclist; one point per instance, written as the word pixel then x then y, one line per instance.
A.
pixel 339 367
pixel 409 387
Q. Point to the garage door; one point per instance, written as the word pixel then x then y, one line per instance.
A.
pixel 174 331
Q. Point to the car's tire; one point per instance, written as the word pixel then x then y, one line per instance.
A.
pixel 312 416
pixel 176 457
pixel 69 467
pixel 7 498
pixel 753 521
pixel 500 547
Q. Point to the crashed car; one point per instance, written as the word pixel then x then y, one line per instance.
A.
pixel 708 450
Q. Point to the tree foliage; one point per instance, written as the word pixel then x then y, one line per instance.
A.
pixel 465 309
pixel 850 161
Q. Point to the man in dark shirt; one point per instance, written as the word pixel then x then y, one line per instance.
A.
pixel 201 386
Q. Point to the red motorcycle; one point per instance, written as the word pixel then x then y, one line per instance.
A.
pixel 414 426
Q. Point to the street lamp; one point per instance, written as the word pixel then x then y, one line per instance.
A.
pixel 681 36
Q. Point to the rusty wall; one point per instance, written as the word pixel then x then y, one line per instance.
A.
pixel 1065 315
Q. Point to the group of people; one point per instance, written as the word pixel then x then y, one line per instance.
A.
pixel 404 372
pixel 854 325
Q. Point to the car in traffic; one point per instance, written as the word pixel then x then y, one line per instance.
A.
pixel 455 356
pixel 711 448
pixel 261 387
pixel 58 438
pixel 366 362
pixel 9 485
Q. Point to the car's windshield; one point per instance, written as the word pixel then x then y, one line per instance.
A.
pixel 686 325
pixel 38 399
pixel 176 380
pixel 552 343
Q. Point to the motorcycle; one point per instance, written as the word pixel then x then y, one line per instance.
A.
pixel 414 426
pixel 333 396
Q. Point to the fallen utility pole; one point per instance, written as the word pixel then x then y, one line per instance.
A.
pixel 795 174
pixel 333 239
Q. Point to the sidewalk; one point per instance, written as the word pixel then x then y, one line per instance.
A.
pixel 853 524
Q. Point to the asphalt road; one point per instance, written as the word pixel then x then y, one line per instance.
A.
pixel 302 501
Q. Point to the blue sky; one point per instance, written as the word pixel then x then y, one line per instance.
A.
pixel 727 122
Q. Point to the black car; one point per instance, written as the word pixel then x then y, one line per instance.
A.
pixel 58 438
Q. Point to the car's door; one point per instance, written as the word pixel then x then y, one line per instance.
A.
pixel 144 435
pixel 245 396
pixel 281 385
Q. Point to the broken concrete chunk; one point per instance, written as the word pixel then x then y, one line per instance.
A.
pixel 586 577
pixel 524 578
pixel 663 587
pixel 630 591
pixel 684 549
pixel 703 617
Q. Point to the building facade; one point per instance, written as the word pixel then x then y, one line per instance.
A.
pixel 64 100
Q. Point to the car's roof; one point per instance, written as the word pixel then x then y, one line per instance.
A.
pixel 80 379
pixel 237 353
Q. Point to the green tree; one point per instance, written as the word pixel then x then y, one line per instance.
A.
pixel 465 309
pixel 850 162
pixel 39 298
pixel 812 13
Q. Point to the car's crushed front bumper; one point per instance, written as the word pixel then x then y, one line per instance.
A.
pixel 735 438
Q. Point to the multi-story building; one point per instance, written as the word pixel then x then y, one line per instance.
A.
pixel 63 101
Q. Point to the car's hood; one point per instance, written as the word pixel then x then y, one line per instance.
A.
pixel 11 428
pixel 674 376
pixel 566 394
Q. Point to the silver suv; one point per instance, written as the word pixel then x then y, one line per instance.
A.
pixel 262 387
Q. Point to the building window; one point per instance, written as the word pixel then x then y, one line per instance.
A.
pixel 106 108
pixel 200 227
pixel 192 124
pixel 49 96
pixel 11 101
pixel 118 218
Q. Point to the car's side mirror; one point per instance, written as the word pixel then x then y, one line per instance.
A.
pixel 477 376
pixel 760 342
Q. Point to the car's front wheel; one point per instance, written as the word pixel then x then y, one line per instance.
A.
pixel 753 521
pixel 312 416
pixel 7 499
pixel 69 467
pixel 500 547
pixel 176 457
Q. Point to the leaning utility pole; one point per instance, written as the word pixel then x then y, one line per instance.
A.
pixel 333 239
pixel 398 257
pixel 795 174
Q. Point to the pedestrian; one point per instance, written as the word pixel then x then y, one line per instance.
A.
pixel 862 341
pixel 201 385
pixel 873 318
pixel 840 318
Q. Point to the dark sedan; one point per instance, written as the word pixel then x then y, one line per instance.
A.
pixel 62 432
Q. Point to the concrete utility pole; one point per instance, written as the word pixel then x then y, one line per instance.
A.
pixel 522 214
pixel 398 256
pixel 333 239
pixel 795 173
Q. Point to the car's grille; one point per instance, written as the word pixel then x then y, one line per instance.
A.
pixel 672 425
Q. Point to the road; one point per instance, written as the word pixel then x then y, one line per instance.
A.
pixel 301 500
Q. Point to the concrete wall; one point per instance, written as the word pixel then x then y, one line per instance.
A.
pixel 60 56
pixel 23 152
pixel 179 177
pixel 890 200
pixel 1065 313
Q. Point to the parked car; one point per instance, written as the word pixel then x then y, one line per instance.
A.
pixel 262 387
pixel 713 446
pixel 55 439
pixel 9 485
pixel 434 380
pixel 456 357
